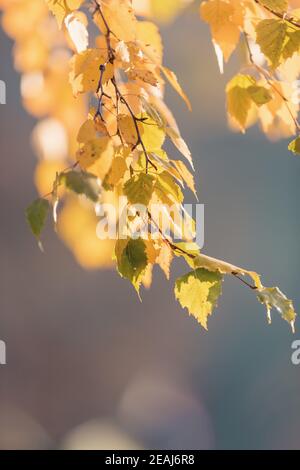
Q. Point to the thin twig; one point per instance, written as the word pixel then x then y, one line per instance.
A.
pixel 119 96
pixel 135 121
pixel 174 247
pixel 281 16
pixel 55 185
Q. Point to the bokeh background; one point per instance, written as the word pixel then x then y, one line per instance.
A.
pixel 88 365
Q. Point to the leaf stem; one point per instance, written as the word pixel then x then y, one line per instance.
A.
pixel 190 255
pixel 281 16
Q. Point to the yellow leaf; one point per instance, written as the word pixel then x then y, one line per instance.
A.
pixel 271 37
pixel 118 169
pixel 61 8
pixel 180 144
pixel 96 156
pixel 170 75
pixel 186 175
pixel 199 291
pixel 85 70
pixel 152 136
pixel 225 20
pixel 164 259
pixel 238 99
pixel 171 127
pixel 272 297
pixel 120 17
pixel 147 34
pixel 151 250
pixel 87 132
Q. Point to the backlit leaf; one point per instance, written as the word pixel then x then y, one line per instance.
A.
pixel 199 291
pixel 294 146
pixel 61 8
pixel 36 215
pixel 272 297
pixel 131 260
pixel 271 36
pixel 82 183
pixel 139 189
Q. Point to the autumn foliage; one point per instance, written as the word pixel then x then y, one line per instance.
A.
pixel 103 122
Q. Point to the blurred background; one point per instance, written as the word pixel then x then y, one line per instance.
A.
pixel 88 365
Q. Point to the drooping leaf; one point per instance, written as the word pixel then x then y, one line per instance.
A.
pixel 291 44
pixel 152 136
pixel 164 259
pixel 171 77
pixel 96 156
pixel 187 176
pixel 87 132
pixel 118 169
pixel 225 20
pixel 238 98
pixel 85 70
pixel 272 297
pixel 139 189
pixel 132 260
pixel 61 8
pixel 199 291
pixel 271 36
pixel 242 92
pixel 36 215
pixel 294 146
pixel 82 183
pixel 167 189
pixel 120 17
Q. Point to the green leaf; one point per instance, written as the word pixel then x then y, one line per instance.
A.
pixel 259 94
pixel 292 44
pixel 199 291
pixel 271 38
pixel 238 99
pixel 294 146
pixel 167 190
pixel 36 215
pixel 139 189
pixel 242 91
pixel 131 260
pixel 82 183
pixel 278 6
pixel 272 297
